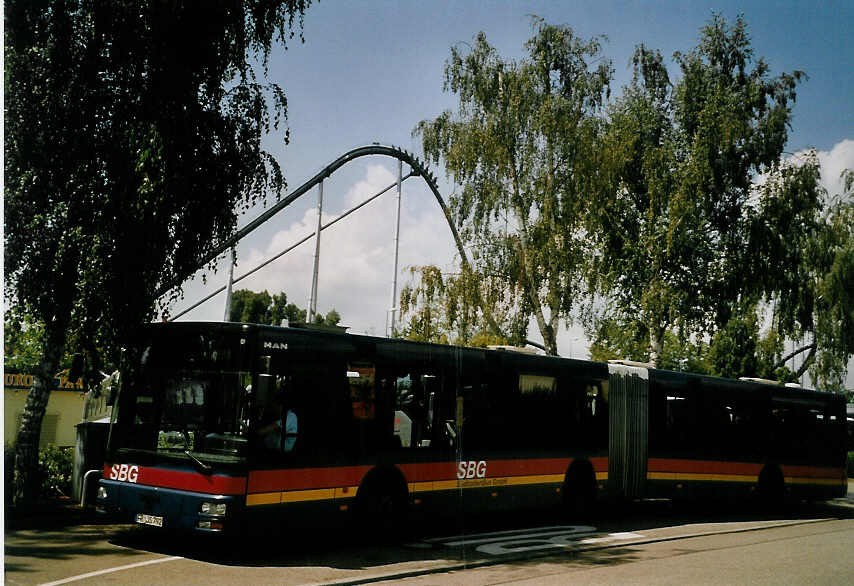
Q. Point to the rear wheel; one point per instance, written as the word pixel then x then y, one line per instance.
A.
pixel 579 492
pixel 772 487
pixel 382 508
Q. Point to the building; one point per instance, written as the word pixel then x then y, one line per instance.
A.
pixel 64 408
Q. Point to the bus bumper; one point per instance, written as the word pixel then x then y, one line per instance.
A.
pixel 170 509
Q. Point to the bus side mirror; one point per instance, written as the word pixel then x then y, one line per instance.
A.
pixel 450 432
pixel 110 388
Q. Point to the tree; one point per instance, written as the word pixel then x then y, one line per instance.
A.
pixel 614 340
pixel 828 265
pixel 684 237
pixel 21 343
pixel 262 308
pixel 443 309
pixel 523 147
pixel 422 306
pixel 732 352
pixel 130 148
pixel 250 307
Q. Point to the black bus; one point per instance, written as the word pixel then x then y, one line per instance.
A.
pixel 222 426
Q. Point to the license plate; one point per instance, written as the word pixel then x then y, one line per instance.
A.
pixel 149 520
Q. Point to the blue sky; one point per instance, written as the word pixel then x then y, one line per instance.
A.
pixel 370 70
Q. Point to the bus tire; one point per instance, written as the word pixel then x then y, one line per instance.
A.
pixel 381 504
pixel 772 487
pixel 579 491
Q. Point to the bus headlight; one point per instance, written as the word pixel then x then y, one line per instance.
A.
pixel 213 508
pixel 102 493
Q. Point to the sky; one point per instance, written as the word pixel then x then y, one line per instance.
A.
pixel 369 71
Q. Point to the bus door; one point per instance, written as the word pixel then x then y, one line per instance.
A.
pixel 477 429
pixel 422 433
pixel 628 436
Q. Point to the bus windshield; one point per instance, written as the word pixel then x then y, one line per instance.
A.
pixel 187 400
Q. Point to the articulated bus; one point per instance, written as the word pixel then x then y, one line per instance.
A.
pixel 231 427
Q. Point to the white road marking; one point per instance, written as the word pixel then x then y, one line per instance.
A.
pixel 611 537
pixel 531 534
pixel 111 570
pixel 527 530
pixel 517 541
pixel 555 541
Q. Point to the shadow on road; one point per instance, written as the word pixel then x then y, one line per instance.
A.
pixel 27 549
pixel 350 548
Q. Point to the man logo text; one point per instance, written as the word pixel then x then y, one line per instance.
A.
pixel 275 345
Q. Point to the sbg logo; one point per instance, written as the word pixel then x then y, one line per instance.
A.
pixel 471 469
pixel 124 473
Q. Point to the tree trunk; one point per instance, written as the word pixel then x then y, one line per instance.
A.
pixel 807 361
pixel 549 339
pixel 656 343
pixel 27 481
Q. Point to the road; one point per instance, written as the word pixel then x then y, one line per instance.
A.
pixel 650 544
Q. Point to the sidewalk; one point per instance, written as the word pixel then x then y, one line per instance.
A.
pixel 52 514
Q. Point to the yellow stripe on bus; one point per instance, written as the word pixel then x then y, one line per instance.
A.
pixel 266 498
pixel 706 477
pixel 492 482
pixel 345 492
pixel 738 478
pixel 320 494
pixel 808 480
pixel 293 496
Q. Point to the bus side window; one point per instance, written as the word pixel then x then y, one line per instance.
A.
pixel 681 419
pixel 416 403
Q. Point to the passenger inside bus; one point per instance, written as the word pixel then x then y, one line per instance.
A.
pixel 271 432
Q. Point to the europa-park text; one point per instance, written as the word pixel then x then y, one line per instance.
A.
pixel 18 381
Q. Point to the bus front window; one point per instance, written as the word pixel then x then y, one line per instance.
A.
pixel 175 412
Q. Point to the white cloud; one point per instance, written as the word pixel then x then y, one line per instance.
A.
pixel 833 163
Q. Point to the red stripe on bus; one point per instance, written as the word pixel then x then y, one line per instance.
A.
pixel 177 479
pixel 305 478
pixel 309 478
pixel 740 468
pixel 702 466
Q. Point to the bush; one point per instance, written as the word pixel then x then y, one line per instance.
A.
pixel 55 466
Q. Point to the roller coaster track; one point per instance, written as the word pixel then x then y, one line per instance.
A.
pixel 418 168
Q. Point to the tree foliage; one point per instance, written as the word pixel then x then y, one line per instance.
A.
pixel 262 308
pixel 522 146
pixel 133 138
pixel 21 343
pixel 685 238
pixel 442 309
pixel 829 267
pixel 615 340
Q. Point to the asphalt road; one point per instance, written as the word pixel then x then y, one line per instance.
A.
pixel 650 543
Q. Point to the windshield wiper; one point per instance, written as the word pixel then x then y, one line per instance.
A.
pixel 203 468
